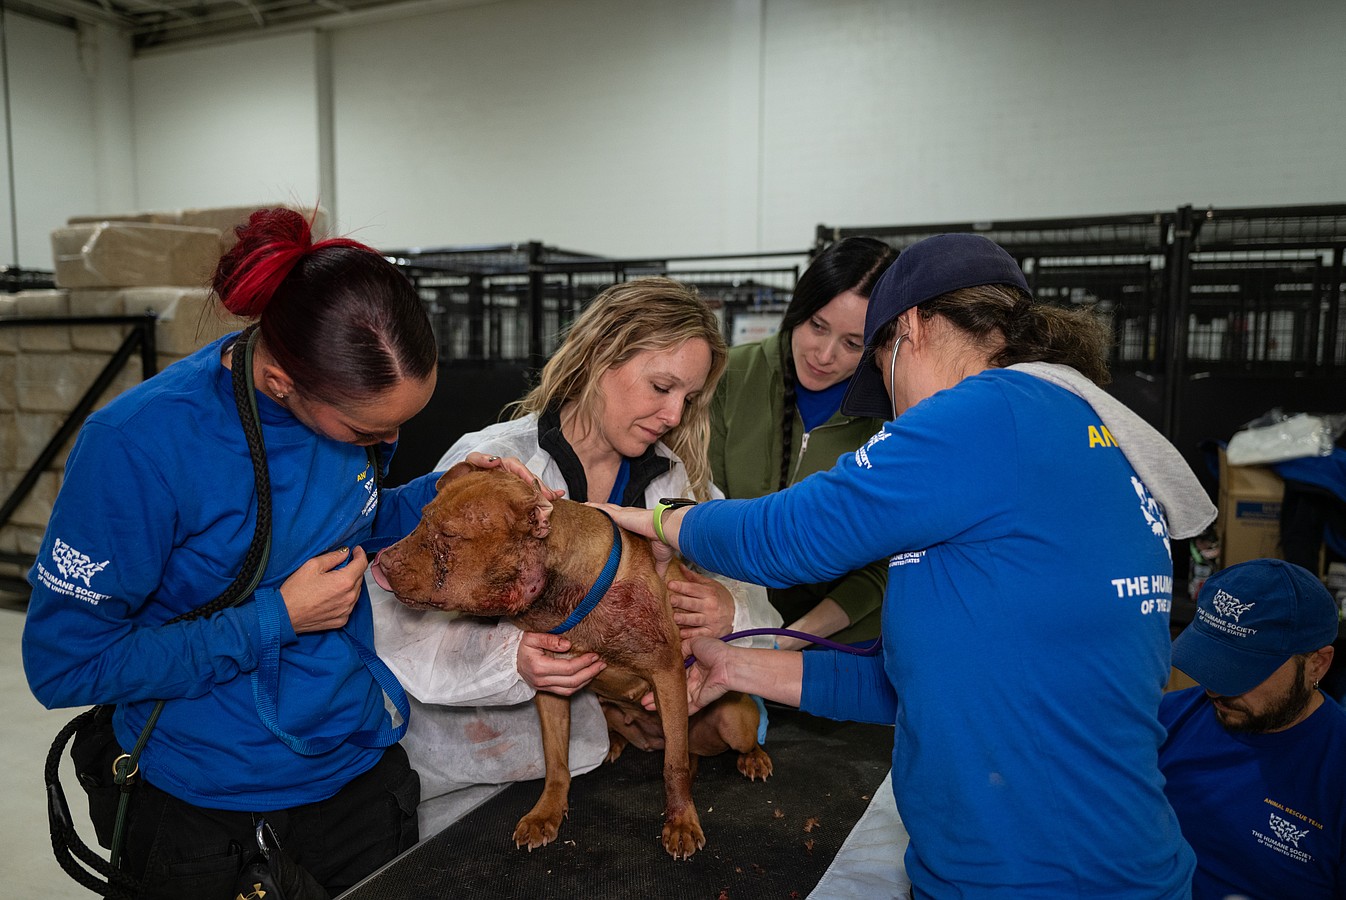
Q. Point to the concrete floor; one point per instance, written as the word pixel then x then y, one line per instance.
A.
pixel 27 866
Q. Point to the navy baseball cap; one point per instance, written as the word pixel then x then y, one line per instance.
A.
pixel 927 269
pixel 1251 618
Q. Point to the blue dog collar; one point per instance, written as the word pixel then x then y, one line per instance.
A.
pixel 600 587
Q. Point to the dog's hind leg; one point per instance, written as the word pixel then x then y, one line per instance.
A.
pixel 540 826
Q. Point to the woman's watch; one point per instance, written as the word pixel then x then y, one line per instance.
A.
pixel 663 506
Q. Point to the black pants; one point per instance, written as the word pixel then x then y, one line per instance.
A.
pixel 178 850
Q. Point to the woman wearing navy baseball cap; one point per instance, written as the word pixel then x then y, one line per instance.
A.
pixel 1025 517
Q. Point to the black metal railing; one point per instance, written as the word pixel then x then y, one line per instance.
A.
pixel 140 336
pixel 511 303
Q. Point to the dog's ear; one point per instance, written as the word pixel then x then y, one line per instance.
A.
pixel 540 515
pixel 457 470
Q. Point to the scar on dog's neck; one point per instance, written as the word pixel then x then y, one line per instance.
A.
pixel 571 574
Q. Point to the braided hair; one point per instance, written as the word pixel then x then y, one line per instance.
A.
pixel 850 264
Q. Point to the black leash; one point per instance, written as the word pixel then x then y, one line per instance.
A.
pixel 66 844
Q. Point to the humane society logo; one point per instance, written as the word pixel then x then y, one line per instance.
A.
pixel 1230 609
pixel 1153 513
pixel 1154 592
pixel 1286 830
pixel 1229 606
pixel 371 490
pixel 72 566
pixel 1285 833
pixel 862 455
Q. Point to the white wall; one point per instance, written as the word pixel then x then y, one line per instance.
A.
pixel 879 112
pixel 601 125
pixel 227 125
pixel 643 127
pixel 636 126
pixel 52 123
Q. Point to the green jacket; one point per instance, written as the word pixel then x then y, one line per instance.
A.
pixel 745 459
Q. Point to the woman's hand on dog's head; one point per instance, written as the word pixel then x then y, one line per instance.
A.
pixel 514 466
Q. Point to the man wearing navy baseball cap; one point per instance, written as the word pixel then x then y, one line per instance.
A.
pixel 1255 760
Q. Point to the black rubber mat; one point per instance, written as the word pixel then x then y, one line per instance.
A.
pixel 763 839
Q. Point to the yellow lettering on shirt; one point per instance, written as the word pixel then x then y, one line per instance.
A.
pixel 1293 812
pixel 1099 436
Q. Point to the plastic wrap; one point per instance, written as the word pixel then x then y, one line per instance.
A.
pixel 1276 437
pixel 131 254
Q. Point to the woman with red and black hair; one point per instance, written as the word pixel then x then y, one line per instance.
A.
pixel 275 706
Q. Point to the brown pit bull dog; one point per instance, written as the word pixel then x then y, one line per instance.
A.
pixel 490 544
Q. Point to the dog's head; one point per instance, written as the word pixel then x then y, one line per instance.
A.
pixel 479 548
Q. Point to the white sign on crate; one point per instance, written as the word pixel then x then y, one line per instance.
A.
pixel 753 326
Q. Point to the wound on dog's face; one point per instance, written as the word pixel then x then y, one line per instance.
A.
pixel 473 551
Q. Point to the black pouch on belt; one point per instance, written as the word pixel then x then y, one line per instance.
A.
pixel 94 750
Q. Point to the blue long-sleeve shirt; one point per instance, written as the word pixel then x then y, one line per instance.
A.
pixel 154 517
pixel 1025 629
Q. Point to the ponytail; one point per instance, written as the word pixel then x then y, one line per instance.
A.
pixel 270 244
pixel 1026 330
pixel 338 317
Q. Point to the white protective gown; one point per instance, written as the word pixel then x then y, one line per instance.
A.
pixel 474 729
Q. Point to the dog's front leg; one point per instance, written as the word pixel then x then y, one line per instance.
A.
pixel 682 827
pixel 543 821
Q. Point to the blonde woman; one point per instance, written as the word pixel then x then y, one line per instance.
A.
pixel 621 413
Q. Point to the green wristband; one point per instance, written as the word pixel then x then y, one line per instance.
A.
pixel 664 506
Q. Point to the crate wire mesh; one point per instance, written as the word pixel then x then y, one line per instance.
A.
pixel 14 279
pixel 1116 265
pixel 1251 290
pixel 1266 289
pixel 513 302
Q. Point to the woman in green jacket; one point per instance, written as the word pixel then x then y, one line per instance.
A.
pixel 776 418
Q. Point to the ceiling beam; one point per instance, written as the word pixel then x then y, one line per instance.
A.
pixel 81 11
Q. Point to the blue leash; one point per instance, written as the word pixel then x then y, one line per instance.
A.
pixel 600 587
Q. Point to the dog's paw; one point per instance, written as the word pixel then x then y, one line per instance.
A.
pixel 683 835
pixel 616 744
pixel 755 764
pixel 536 830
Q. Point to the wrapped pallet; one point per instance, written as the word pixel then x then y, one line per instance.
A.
pixel 165 217
pixel 131 254
pixel 226 218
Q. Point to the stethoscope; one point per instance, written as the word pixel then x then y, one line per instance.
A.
pixel 892 373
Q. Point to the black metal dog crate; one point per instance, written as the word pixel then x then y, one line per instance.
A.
pixel 1218 315
pixel 500 311
pixel 512 302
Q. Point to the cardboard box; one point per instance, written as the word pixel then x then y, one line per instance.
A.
pixel 1249 521
pixel 130 254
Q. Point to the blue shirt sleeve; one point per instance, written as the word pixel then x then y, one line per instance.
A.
pixel 84 639
pixel 916 483
pixel 848 687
